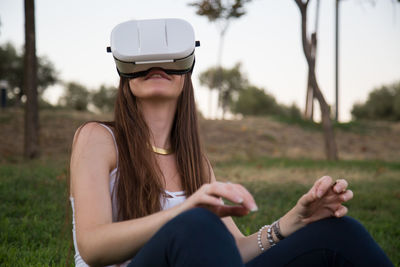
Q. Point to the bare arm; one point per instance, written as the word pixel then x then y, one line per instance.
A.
pixel 323 200
pixel 248 245
pixel 100 241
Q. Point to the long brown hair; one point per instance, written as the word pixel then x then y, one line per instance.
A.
pixel 139 182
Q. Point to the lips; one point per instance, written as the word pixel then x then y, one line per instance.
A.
pixel 156 74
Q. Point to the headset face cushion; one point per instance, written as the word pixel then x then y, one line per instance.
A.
pixel 139 45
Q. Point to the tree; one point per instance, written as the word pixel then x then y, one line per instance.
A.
pixel 221 13
pixel 226 81
pixel 329 137
pixel 383 103
pixel 75 96
pixel 12 70
pixel 31 148
pixel 254 101
pixel 104 98
pixel 11 66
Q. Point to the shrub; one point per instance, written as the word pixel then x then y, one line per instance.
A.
pixel 382 104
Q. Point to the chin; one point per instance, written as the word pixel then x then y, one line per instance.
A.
pixel 157 91
pixel 161 92
pixel 159 97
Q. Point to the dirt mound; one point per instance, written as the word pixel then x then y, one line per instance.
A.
pixel 247 138
pixel 254 137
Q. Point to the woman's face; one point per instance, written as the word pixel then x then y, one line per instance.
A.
pixel 157 85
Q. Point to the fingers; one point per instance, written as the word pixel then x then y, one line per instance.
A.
pixel 308 198
pixel 317 191
pixel 321 191
pixel 248 200
pixel 346 196
pixel 341 211
pixel 232 192
pixel 322 186
pixel 210 200
pixel 324 183
pixel 226 210
pixel 340 186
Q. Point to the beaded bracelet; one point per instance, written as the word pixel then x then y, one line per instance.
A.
pixel 277 230
pixel 259 237
pixel 269 237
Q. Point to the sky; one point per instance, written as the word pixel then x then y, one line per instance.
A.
pixel 74 35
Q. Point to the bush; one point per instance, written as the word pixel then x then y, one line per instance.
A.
pixel 382 104
pixel 256 102
pixel 76 96
pixel 104 98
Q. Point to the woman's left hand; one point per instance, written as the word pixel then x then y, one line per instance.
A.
pixel 323 200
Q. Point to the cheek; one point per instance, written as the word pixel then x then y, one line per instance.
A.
pixel 134 86
pixel 180 83
pixel 132 83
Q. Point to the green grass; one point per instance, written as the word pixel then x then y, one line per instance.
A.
pixel 376 203
pixel 376 206
pixel 303 163
pixel 35 229
pixel 304 124
pixel 358 126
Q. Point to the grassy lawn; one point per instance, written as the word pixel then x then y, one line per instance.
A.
pixel 33 226
pixel 35 229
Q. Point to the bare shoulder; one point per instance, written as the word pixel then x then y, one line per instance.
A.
pixel 91 132
pixel 93 138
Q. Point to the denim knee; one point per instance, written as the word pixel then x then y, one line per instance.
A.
pixel 342 225
pixel 197 221
pixel 198 237
pixel 339 233
pixel 195 238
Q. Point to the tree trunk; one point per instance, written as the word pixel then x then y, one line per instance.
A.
pixel 330 144
pixel 329 137
pixel 309 110
pixel 219 61
pixel 31 147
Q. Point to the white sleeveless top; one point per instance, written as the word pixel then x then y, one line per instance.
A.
pixel 174 199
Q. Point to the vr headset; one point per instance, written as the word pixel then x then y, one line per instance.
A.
pixel 140 45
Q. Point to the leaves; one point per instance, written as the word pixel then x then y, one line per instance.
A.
pixel 104 98
pixel 383 103
pixel 226 81
pixel 236 93
pixel 12 70
pixel 76 96
pixel 215 10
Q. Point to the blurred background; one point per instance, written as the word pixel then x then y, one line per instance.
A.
pixel 266 41
pixel 287 91
pixel 251 61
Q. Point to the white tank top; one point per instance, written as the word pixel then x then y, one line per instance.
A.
pixel 174 199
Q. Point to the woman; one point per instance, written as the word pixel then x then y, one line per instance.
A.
pixel 144 194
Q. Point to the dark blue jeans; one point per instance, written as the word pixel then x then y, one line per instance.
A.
pixel 199 238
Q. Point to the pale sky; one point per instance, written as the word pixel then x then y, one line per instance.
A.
pixel 74 35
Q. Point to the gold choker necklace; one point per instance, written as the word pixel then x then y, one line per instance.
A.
pixel 162 151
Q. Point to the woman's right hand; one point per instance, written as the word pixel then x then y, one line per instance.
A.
pixel 210 196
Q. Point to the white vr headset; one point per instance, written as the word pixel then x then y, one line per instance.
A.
pixel 140 45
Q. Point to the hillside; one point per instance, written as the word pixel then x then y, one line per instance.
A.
pixel 246 139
